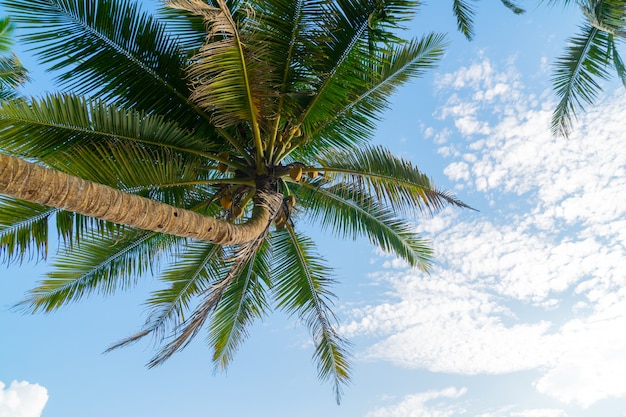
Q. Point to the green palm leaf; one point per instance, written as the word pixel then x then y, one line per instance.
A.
pixel 464 13
pixel 109 49
pixel 130 167
pixel 576 74
pixel 6 31
pixel 586 60
pixel 223 80
pixel 23 229
pixel 392 180
pixel 242 256
pixel 350 212
pixel 353 121
pixel 345 60
pixel 301 285
pixel 99 264
pixel 40 128
pixel 12 73
pixel 243 301
pixel 191 273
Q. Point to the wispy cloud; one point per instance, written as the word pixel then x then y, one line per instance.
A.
pixel 424 404
pixel 22 399
pixel 534 281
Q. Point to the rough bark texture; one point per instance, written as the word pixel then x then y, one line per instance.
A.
pixel 31 182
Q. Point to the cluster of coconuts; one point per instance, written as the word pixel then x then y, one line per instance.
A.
pixel 295 173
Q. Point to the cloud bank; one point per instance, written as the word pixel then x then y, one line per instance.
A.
pixel 536 280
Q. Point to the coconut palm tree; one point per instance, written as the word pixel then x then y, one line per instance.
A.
pixel 587 59
pixel 200 141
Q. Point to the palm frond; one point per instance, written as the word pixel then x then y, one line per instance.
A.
pixel 185 27
pixel 243 301
pixel 301 286
pixel 109 49
pixel 56 123
pixel 360 108
pixel 513 7
pixel 620 68
pixel 191 273
pixel 99 264
pixel 350 212
pixel 344 61
pixel 12 75
pixel 6 31
pixel 392 180
pixel 576 74
pixel 131 167
pixel 464 13
pixel 212 297
pixel 221 75
pixel 23 229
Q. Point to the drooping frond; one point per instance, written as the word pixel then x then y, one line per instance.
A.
pixel 576 74
pixel 192 272
pixel 513 7
pixel 23 229
pixel 99 264
pixel 242 257
pixel 301 286
pixel 222 77
pixel 464 13
pixel 350 212
pixel 244 300
pixel 620 68
pixel 586 60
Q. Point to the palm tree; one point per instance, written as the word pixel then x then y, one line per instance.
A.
pixel 201 140
pixel 587 59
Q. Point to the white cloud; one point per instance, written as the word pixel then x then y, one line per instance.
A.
pixel 592 368
pixel 423 404
pixel 537 284
pixel 533 412
pixel 22 399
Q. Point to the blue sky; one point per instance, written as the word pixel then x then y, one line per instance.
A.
pixel 522 316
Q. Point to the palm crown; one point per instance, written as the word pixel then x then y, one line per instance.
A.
pixel 249 113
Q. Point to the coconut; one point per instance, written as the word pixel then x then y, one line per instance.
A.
pixel 296 173
pixel 226 202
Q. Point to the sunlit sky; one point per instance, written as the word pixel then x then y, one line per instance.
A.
pixel 522 316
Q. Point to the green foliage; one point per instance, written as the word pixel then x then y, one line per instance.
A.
pixel 465 12
pixel 12 73
pixel 587 59
pixel 206 108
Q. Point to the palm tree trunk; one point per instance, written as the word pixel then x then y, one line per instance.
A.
pixel 34 183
